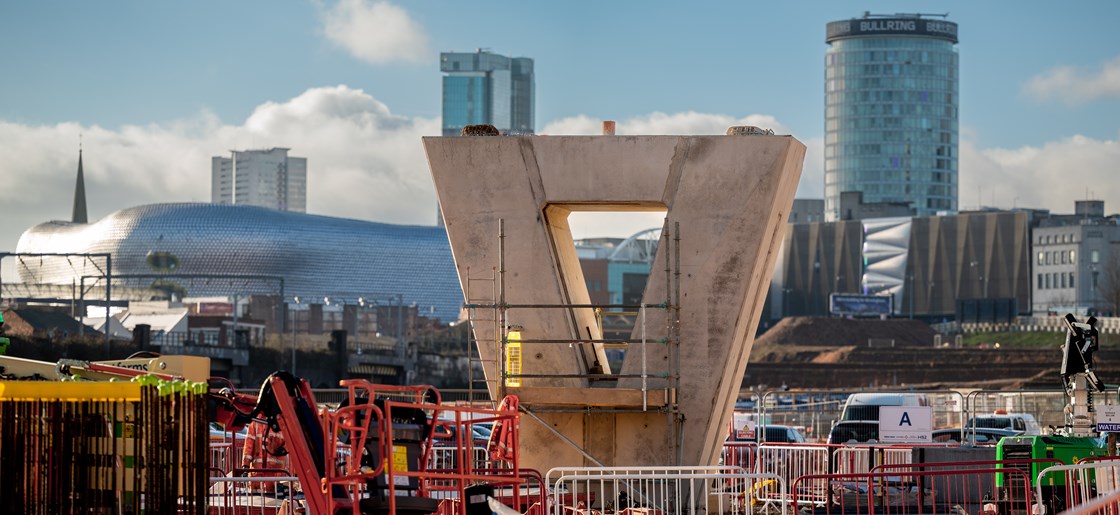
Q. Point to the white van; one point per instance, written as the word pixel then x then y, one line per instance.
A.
pixel 865 406
pixel 859 421
pixel 1024 423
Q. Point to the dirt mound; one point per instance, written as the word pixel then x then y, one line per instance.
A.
pixel 829 332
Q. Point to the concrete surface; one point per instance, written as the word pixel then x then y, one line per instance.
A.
pixel 730 196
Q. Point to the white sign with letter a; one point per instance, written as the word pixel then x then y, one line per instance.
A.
pixel 906 424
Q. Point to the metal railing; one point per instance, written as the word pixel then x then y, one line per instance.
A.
pixel 666 490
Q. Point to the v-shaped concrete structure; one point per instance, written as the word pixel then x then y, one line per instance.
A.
pixel 730 197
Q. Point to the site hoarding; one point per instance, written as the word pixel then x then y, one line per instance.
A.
pixel 859 305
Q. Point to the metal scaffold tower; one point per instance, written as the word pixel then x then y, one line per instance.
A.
pixel 509 347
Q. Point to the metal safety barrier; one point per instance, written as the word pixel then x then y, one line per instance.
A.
pixel 663 490
pixel 222 457
pixel 739 454
pixel 858 459
pixel 1104 505
pixel 1073 486
pixel 942 488
pixel 904 492
pixel 448 457
pixel 788 462
pixel 277 495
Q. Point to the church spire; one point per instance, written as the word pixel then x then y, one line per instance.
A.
pixel 79 216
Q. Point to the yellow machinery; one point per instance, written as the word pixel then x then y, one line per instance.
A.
pixel 190 368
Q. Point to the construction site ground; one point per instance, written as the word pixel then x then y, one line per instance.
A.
pixel 830 353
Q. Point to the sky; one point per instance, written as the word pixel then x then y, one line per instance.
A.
pixel 153 90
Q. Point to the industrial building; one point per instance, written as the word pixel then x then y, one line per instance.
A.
pixel 923 266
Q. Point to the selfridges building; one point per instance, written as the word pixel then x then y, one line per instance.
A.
pixel 171 246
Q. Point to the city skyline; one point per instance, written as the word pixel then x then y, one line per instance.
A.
pixel 354 85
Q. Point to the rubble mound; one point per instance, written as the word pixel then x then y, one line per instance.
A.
pixel 836 332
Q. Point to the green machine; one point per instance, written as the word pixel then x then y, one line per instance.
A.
pixel 3 341
pixel 1077 439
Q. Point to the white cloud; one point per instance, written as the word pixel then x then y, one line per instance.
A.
pixel 589 225
pixel 1074 86
pixel 662 123
pixel 375 32
pixel 367 163
pixel 1050 176
pixel 363 161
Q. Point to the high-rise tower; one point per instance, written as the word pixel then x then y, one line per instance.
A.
pixel 891 97
pixel 265 178
pixel 485 88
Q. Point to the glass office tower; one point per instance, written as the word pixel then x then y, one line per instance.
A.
pixel 482 87
pixel 891 97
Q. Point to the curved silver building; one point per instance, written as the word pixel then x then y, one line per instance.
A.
pixel 317 256
pixel 891 97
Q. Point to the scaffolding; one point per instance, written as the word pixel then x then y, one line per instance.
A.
pixel 509 378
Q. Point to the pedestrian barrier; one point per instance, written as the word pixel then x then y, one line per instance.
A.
pixel 861 459
pixel 448 458
pixel 986 484
pixel 1083 482
pixel 1104 505
pixel 222 457
pixel 663 490
pixel 277 495
pixel 788 462
pixel 739 454
pixel 903 492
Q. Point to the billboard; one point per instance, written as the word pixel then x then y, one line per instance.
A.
pixel 860 305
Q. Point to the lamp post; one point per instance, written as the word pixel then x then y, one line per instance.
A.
pixel 835 289
pixel 364 304
pixel 785 301
pixel 912 292
pixel 296 300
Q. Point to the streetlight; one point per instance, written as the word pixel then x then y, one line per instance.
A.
pixel 296 299
pixel 785 301
pixel 912 292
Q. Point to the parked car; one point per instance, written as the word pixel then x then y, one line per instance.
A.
pixel 1025 423
pixel 446 435
pixel 854 431
pixel 781 434
pixel 980 436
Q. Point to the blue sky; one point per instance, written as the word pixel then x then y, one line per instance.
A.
pixel 158 87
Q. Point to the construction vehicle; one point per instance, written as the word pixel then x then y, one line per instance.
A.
pixel 4 342
pixel 190 368
pixel 371 455
pixel 1076 440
